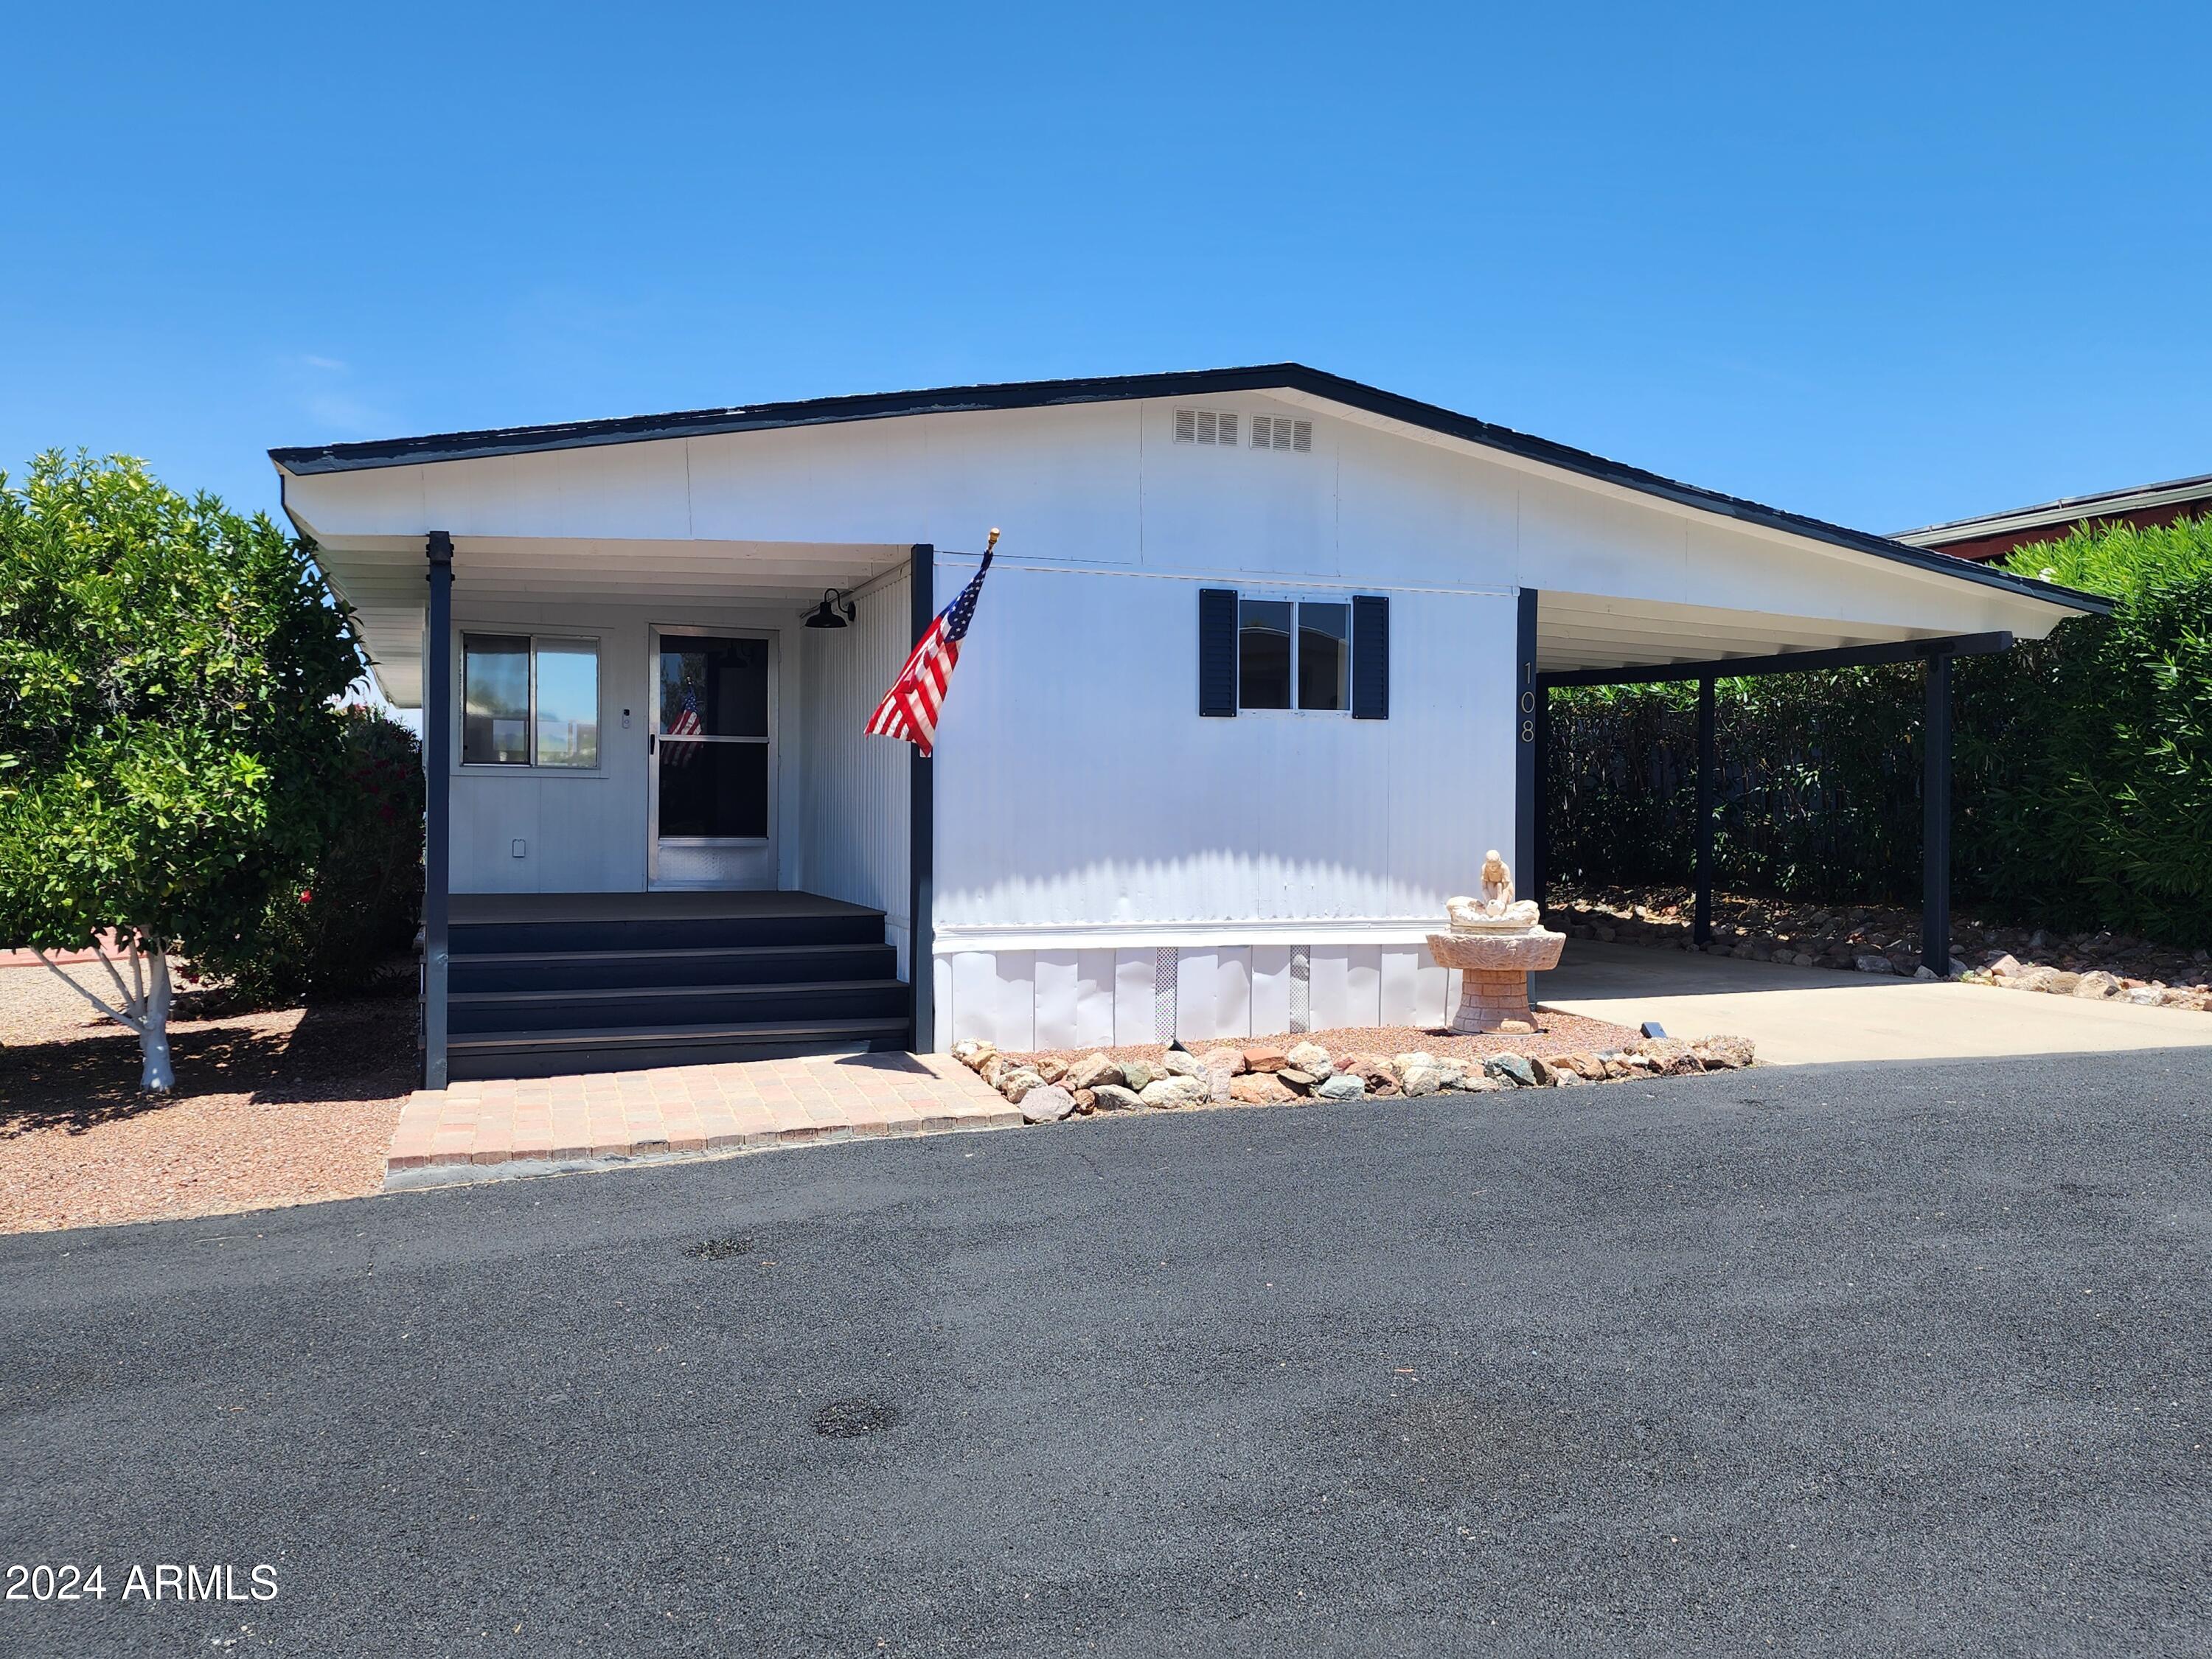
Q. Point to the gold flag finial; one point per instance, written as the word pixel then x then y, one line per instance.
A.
pixel 993 541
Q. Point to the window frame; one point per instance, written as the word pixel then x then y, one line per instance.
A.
pixel 532 766
pixel 1295 597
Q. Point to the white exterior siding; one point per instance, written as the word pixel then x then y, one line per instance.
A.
pixel 853 834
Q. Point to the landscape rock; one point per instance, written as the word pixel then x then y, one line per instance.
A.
pixel 1344 1085
pixel 1871 964
pixel 1670 1056
pixel 1311 1059
pixel 972 1052
pixel 2060 984
pixel 2097 985
pixel 1516 1027
pixel 1265 1060
pixel 2147 996
pixel 1222 1059
pixel 1047 1104
pixel 1565 1077
pixel 1051 1071
pixel 1473 1080
pixel 1511 1068
pixel 1301 1082
pixel 1417 1072
pixel 1260 1089
pixel 993 1067
pixel 1169 1092
pixel 1095 1071
pixel 1181 1063
pixel 1113 1098
pixel 1723 1054
pixel 1085 1102
pixel 1016 1082
pixel 1137 1074
pixel 1376 1073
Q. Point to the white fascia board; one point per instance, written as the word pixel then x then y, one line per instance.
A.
pixel 1190 935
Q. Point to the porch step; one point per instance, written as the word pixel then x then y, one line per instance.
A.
pixel 744 964
pixel 558 1052
pixel 654 932
pixel 631 1007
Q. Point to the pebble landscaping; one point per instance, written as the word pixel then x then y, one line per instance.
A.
pixel 1047 1088
pixel 1886 939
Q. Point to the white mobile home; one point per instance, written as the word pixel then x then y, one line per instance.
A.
pixel 1256 677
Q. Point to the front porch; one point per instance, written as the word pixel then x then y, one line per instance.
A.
pixel 559 984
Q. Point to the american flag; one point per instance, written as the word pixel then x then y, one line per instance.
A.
pixel 910 708
pixel 686 723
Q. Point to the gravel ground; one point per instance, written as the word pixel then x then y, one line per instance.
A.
pixel 1555 1034
pixel 291 1106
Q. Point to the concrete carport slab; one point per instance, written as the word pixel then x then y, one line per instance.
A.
pixel 1810 1016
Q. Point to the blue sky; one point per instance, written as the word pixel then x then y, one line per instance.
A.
pixel 1884 264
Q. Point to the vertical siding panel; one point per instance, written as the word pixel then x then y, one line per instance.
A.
pixel 1363 986
pixel 976 996
pixel 852 787
pixel 1332 992
pixel 941 977
pixel 1133 1020
pixel 1432 994
pixel 1233 994
pixel 1017 1001
pixel 1055 999
pixel 1271 989
pixel 1094 998
pixel 1195 1015
pixel 1402 983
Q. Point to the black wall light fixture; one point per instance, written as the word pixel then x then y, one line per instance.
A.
pixel 830 613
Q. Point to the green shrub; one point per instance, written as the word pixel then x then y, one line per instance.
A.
pixel 2082 765
pixel 347 924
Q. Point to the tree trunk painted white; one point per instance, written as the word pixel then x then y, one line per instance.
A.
pixel 156 1077
pixel 142 1006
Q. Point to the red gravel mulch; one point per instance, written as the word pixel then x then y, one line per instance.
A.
pixel 291 1107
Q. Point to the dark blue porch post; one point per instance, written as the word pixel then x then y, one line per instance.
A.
pixel 438 801
pixel 1701 923
pixel 1527 779
pixel 1935 822
pixel 922 830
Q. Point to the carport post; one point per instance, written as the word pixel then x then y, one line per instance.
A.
pixel 1935 823
pixel 437 800
pixel 1701 926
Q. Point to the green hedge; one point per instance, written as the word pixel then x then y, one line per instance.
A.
pixel 2082 781
pixel 348 925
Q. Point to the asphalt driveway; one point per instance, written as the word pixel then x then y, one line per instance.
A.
pixel 1844 1360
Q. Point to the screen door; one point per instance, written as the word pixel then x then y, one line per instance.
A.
pixel 713 777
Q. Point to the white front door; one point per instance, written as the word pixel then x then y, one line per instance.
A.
pixel 712 783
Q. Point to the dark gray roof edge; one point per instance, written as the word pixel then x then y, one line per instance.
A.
pixel 2065 510
pixel 1043 394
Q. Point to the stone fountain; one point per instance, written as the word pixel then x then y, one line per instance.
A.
pixel 1496 943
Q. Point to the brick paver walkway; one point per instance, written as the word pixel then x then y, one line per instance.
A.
pixel 693 1108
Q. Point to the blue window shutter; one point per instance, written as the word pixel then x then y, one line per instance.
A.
pixel 1216 651
pixel 1370 658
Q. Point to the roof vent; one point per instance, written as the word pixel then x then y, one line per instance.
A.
pixel 1205 426
pixel 1281 432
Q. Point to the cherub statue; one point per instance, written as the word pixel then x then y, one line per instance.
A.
pixel 1497 908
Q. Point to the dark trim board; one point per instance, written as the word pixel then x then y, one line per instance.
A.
pixel 1789 662
pixel 1193 383
pixel 921 831
pixel 438 802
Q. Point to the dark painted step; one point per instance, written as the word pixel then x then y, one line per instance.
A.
pixel 663 933
pixel 627 1006
pixel 560 1052
pixel 745 964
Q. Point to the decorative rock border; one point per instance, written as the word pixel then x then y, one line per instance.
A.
pixel 1047 1089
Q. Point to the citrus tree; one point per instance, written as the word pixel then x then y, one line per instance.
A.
pixel 168 741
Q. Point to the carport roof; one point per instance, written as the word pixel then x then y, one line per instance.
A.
pixel 1040 394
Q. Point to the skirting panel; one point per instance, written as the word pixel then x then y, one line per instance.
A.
pixel 1100 999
